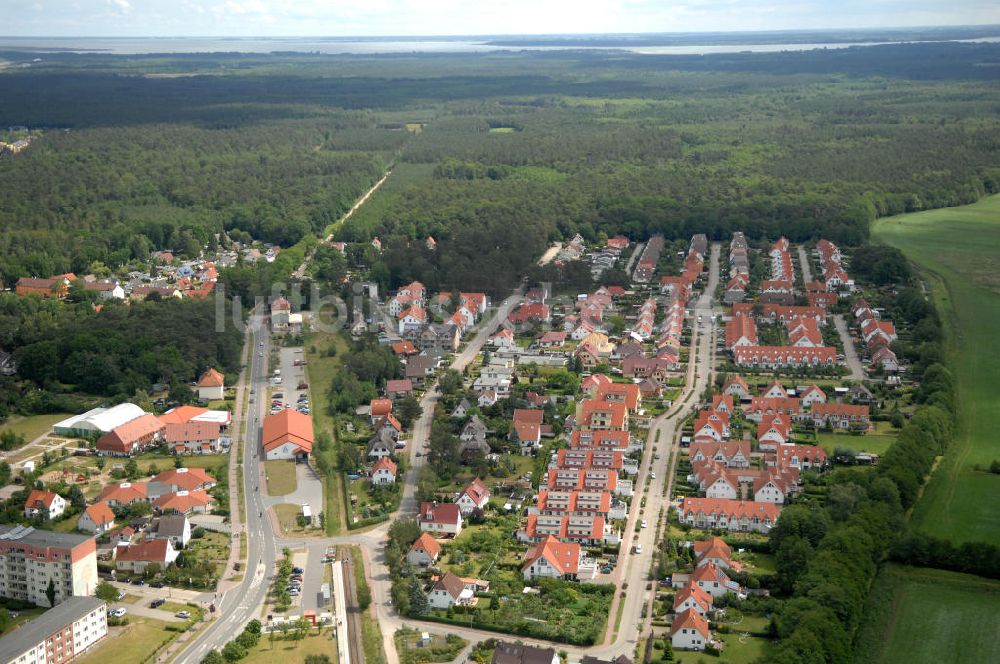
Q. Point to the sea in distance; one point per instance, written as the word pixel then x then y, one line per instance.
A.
pixel 676 44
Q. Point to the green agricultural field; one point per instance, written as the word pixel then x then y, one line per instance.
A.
pixel 938 616
pixel 958 250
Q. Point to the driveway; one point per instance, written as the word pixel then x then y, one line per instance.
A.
pixel 309 489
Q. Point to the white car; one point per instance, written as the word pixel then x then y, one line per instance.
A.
pixel 644 524
pixel 652 476
pixel 183 614
pixel 117 613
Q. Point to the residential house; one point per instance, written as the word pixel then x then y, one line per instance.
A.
pixel 185 502
pixel 424 552
pixel 179 479
pixel 173 527
pixel 811 395
pixel 97 518
pixel 43 504
pixel 281 310
pixel 211 386
pixel 419 368
pixel 841 416
pixel 736 387
pixel 193 437
pixel 713 550
pixel 689 631
pixel 381 445
pixel 691 596
pixel 474 496
pixel 136 557
pixel 448 591
pixel 106 289
pixel 552 559
pixel 518 653
pixel 396 389
pixel 123 494
pixel 440 518
pixel 384 471
pixel 731 515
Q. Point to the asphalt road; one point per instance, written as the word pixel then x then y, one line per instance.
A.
pixel 239 604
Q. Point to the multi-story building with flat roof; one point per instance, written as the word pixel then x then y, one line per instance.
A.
pixel 30 557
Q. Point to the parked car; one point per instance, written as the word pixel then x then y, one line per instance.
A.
pixel 298 570
pixel 183 614
pixel 159 601
pixel 117 613
pixel 139 582
pixel 303 386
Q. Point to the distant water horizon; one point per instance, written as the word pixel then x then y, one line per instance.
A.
pixel 696 44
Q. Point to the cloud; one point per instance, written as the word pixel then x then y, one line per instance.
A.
pixel 124 6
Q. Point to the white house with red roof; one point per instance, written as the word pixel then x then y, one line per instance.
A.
pixel 179 479
pixel 136 557
pixel 552 559
pixel 44 504
pixel 689 631
pixel 384 472
pixel 211 385
pixel 692 597
pixel 713 550
pixel 440 518
pixel 812 395
pixel 774 430
pixel 474 496
pixel 412 320
pixel 424 552
pixel 97 518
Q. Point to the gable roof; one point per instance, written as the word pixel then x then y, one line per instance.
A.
pixel 182 501
pixel 154 550
pixel 99 514
pixel 123 492
pixel 289 425
pixel 715 547
pixel 211 378
pixel 564 557
pixel 433 512
pixel 451 583
pixel 690 619
pixel 385 463
pixel 185 478
pixel 476 491
pixel 427 544
pixel 124 437
pixel 693 591
pixel 39 497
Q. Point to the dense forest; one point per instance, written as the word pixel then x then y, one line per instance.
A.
pixel 494 155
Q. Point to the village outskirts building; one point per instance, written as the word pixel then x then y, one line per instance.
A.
pixel 211 386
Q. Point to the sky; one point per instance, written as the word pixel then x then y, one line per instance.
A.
pixel 255 18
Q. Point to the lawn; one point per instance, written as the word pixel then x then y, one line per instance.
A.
pixel 288 517
pixel 293 651
pixel 32 426
pixel 877 442
pixel 958 250
pixel 321 368
pixel 281 479
pixel 131 643
pixel 961 612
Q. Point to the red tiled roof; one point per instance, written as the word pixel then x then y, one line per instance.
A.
pixel 564 557
pixel 100 514
pixel 289 425
pixel 123 438
pixel 427 543
pixel 211 378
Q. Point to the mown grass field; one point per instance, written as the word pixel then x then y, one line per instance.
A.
pixel 936 616
pixel 32 426
pixel 958 251
pixel 281 479
pixel 132 643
